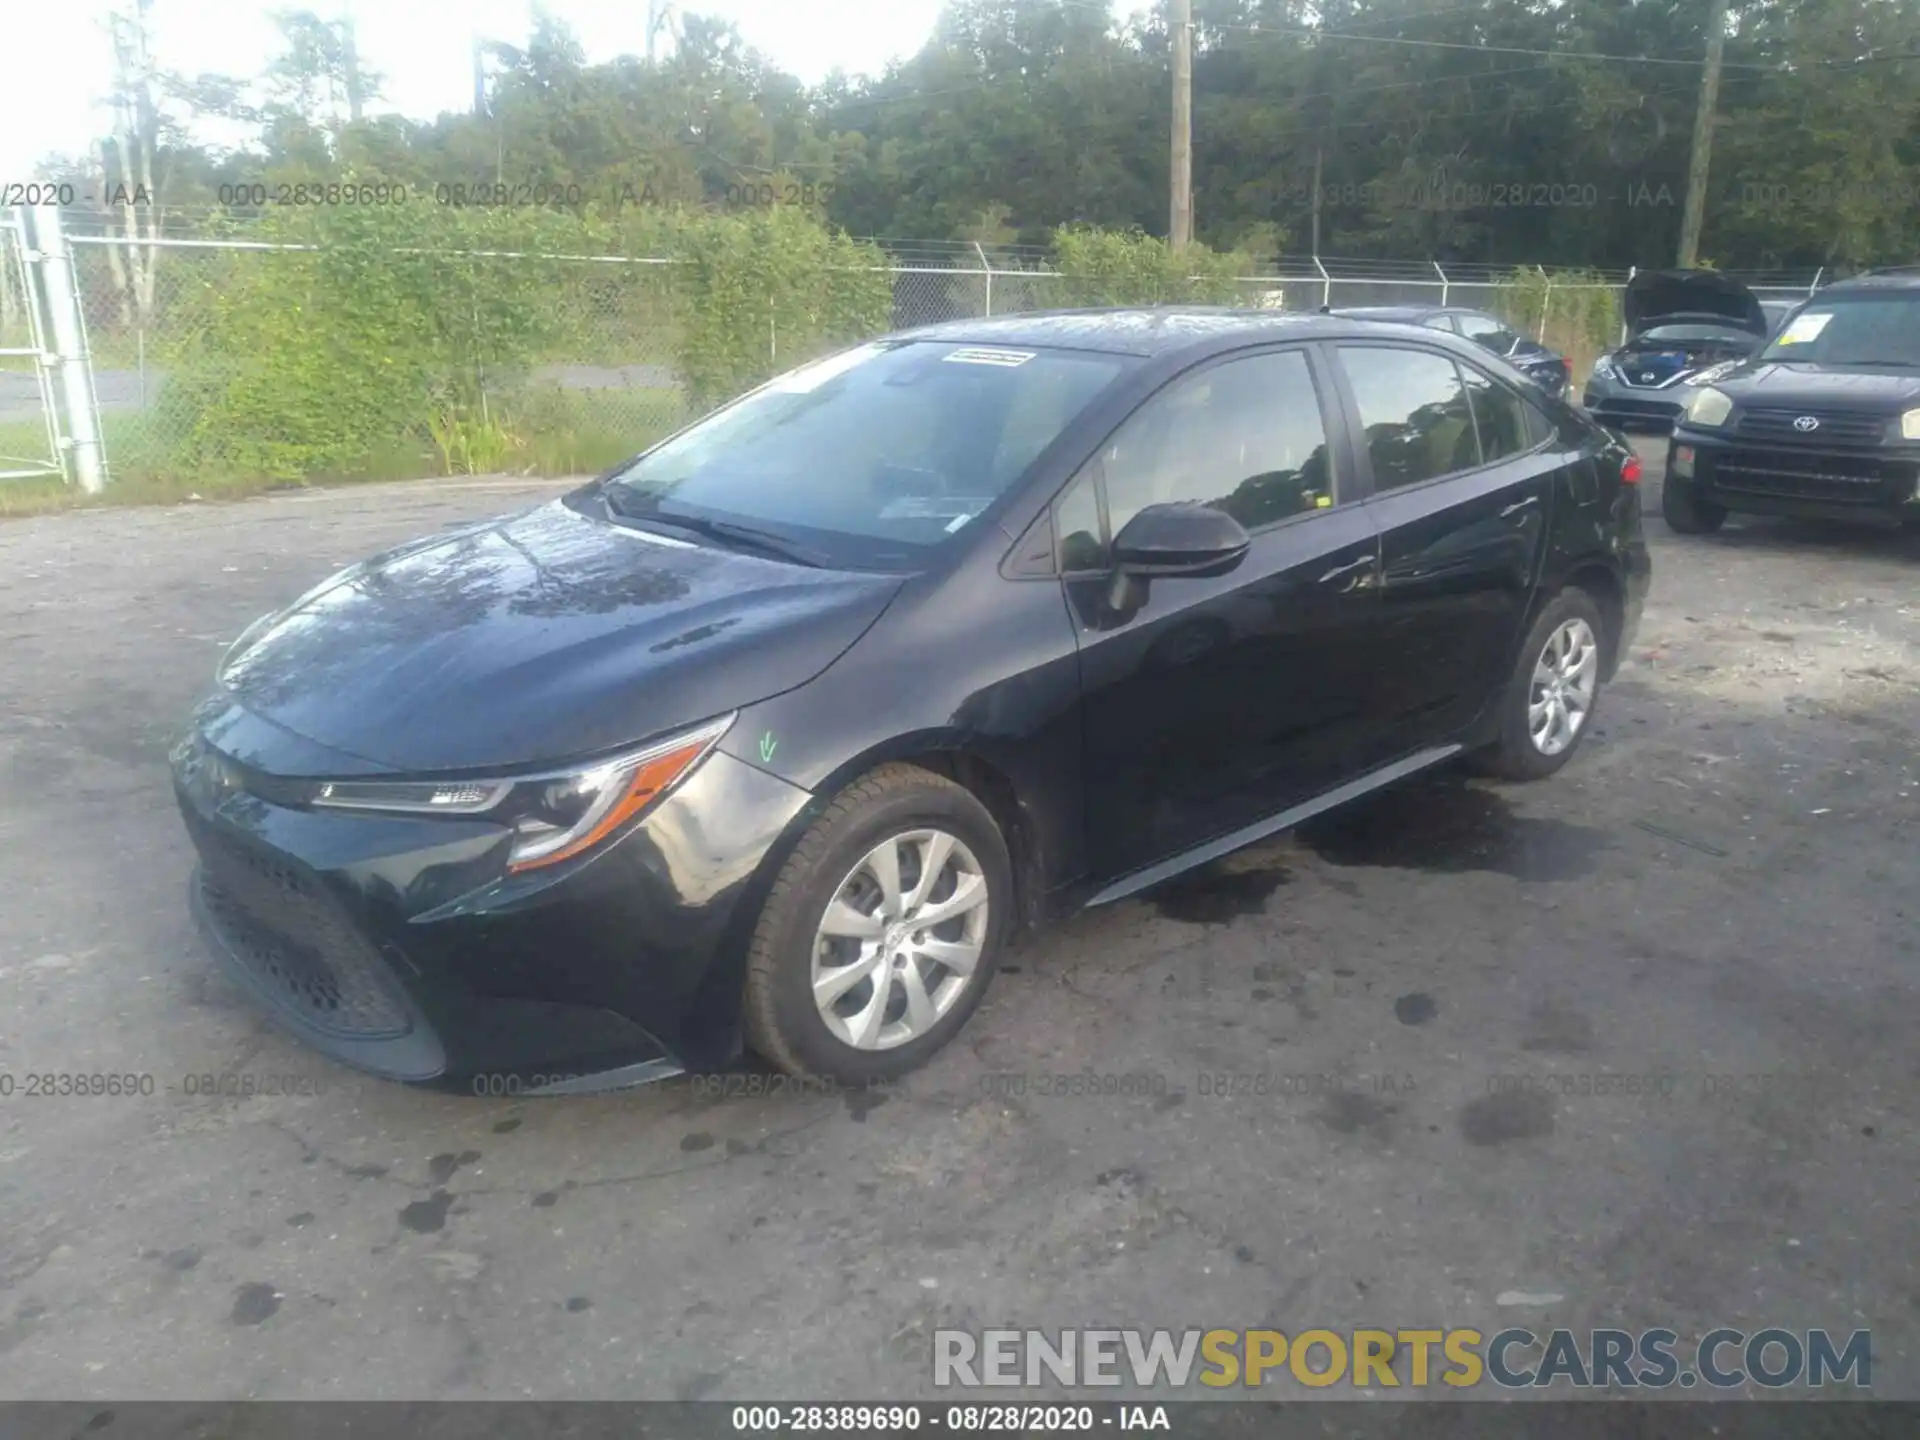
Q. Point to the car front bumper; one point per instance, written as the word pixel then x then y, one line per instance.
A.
pixel 1635 407
pixel 1774 477
pixel 401 945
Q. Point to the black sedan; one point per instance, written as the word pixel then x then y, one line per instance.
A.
pixel 771 737
pixel 1548 370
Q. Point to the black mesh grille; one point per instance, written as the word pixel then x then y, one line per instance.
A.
pixel 297 944
pixel 1838 479
pixel 1651 409
pixel 1835 427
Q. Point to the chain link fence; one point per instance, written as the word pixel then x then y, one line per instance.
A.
pixel 181 356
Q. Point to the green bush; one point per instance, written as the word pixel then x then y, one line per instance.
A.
pixel 1130 267
pixel 761 292
pixel 312 361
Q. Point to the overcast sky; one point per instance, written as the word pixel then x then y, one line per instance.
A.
pixel 58 66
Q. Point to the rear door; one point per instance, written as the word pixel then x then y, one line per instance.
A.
pixel 1219 701
pixel 1460 470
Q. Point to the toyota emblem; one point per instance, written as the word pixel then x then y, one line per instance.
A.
pixel 1807 423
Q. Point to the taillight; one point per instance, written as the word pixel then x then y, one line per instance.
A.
pixel 1630 472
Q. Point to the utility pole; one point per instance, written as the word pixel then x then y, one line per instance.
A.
pixel 1697 161
pixel 1180 226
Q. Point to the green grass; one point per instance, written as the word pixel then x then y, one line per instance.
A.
pixel 556 432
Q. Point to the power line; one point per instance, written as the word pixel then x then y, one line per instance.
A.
pixel 1309 32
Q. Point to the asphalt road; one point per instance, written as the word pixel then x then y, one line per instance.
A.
pixel 1718 894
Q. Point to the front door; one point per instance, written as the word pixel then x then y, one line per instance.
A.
pixel 1211 703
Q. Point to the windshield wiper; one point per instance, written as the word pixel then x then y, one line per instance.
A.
pixel 725 530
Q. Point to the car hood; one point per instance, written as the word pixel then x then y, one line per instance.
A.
pixel 1769 382
pixel 1665 297
pixel 539 637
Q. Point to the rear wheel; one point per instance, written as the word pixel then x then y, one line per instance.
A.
pixel 1548 702
pixel 882 931
pixel 1686 512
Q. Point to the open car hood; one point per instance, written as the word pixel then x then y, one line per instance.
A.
pixel 1666 297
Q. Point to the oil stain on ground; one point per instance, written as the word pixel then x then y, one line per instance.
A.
pixel 425 1216
pixel 1501 1118
pixel 1212 895
pixel 254 1303
pixel 1351 1112
pixel 1448 827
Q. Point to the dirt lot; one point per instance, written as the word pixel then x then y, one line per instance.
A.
pixel 1455 996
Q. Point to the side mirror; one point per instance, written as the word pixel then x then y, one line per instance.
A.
pixel 1180 540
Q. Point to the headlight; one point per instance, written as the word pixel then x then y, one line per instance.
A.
pixel 1715 372
pixel 1603 369
pixel 555 815
pixel 1709 407
pixel 1910 425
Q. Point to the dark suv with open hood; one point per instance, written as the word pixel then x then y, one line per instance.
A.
pixel 1683 327
pixel 1823 422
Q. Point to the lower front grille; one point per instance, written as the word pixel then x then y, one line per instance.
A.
pixel 1835 479
pixel 303 953
pixel 1651 409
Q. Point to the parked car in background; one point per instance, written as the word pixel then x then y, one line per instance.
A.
pixel 1683 327
pixel 1823 422
pixel 1548 369
pixel 775 734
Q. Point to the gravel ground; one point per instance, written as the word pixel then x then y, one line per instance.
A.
pixel 1715 894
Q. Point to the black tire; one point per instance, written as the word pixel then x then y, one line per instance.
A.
pixel 1514 756
pixel 1686 513
pixel 783 1025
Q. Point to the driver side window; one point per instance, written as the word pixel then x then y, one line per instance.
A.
pixel 1245 436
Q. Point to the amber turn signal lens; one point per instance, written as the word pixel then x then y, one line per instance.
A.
pixel 639 790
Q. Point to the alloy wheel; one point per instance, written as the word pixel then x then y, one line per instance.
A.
pixel 901 940
pixel 1564 678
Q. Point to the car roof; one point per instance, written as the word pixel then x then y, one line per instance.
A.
pixel 1144 331
pixel 1391 312
pixel 1893 277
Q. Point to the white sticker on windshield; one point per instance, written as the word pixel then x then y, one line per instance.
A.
pixel 1803 328
pixel 809 378
pixel 980 355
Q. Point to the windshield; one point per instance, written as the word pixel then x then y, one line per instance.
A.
pixel 873 456
pixel 1879 329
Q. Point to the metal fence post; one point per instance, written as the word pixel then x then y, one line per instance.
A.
pixel 1326 282
pixel 1816 281
pixel 1632 270
pixel 1546 307
pixel 987 266
pixel 1443 283
pixel 54 260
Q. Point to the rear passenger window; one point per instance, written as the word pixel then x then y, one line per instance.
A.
pixel 1499 415
pixel 1414 412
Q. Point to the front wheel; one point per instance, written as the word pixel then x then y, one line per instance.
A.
pixel 880 934
pixel 1547 705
